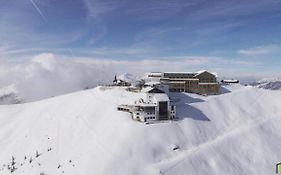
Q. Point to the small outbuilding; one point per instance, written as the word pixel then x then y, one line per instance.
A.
pixel 229 81
pixel 153 106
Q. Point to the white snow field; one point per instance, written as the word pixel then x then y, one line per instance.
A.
pixel 235 133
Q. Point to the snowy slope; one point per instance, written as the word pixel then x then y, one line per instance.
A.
pixel 82 133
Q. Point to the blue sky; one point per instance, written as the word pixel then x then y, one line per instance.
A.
pixel 241 37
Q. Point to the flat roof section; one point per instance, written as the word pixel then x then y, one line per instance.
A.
pixel 177 82
pixel 181 79
pixel 207 83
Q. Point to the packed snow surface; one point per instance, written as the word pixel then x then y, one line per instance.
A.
pixel 234 133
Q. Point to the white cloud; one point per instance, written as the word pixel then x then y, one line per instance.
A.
pixel 97 8
pixel 174 63
pixel 157 10
pixel 47 75
pixel 260 50
pixel 246 62
pixel 46 60
pixel 230 9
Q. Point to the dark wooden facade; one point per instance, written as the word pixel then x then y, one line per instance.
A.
pixel 201 83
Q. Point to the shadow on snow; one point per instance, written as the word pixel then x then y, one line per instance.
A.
pixel 185 110
pixel 224 90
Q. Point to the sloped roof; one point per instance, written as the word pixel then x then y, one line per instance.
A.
pixel 152 90
pixel 203 71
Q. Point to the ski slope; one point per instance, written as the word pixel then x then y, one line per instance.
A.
pixel 237 132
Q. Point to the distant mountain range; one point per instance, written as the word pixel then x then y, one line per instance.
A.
pixel 8 95
pixel 268 83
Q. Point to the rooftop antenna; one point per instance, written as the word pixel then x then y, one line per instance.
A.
pixel 115 79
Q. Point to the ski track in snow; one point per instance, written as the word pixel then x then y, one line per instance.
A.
pixel 185 153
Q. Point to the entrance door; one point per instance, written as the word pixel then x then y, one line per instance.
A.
pixel 163 110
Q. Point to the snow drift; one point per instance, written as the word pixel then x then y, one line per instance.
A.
pixel 82 133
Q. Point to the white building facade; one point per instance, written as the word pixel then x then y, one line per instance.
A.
pixel 154 106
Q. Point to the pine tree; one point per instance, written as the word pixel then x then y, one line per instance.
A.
pixel 13 165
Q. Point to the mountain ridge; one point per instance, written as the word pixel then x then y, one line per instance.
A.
pixel 87 135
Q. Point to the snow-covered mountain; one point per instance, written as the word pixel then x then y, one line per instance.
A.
pixel 8 95
pixel 127 77
pixel 82 133
pixel 268 83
